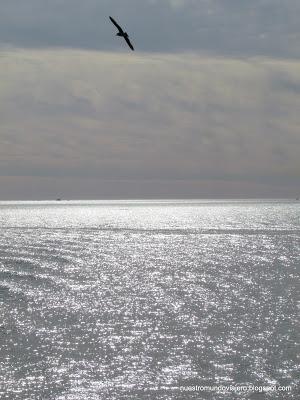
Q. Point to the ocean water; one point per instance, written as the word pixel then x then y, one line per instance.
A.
pixel 148 299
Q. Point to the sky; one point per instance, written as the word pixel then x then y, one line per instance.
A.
pixel 207 106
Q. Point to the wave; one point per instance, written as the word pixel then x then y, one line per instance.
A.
pixel 166 231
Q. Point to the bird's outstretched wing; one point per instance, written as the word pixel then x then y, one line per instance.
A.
pixel 116 24
pixel 129 43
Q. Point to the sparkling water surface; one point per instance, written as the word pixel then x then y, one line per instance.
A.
pixel 140 299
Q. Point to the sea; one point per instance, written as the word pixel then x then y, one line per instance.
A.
pixel 149 299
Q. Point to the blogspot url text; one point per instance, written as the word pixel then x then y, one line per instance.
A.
pixel 236 388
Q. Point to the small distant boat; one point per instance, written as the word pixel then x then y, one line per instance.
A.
pixel 59 199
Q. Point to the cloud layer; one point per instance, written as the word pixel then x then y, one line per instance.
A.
pixel 182 122
pixel 227 27
pixel 208 105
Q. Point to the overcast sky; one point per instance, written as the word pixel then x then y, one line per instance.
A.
pixel 207 106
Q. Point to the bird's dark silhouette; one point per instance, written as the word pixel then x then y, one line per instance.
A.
pixel 122 33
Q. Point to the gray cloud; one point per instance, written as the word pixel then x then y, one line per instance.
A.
pixel 76 115
pixel 228 27
pixel 208 105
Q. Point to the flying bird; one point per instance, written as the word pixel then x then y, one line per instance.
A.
pixel 122 33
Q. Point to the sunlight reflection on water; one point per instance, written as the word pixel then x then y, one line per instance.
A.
pixel 134 299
